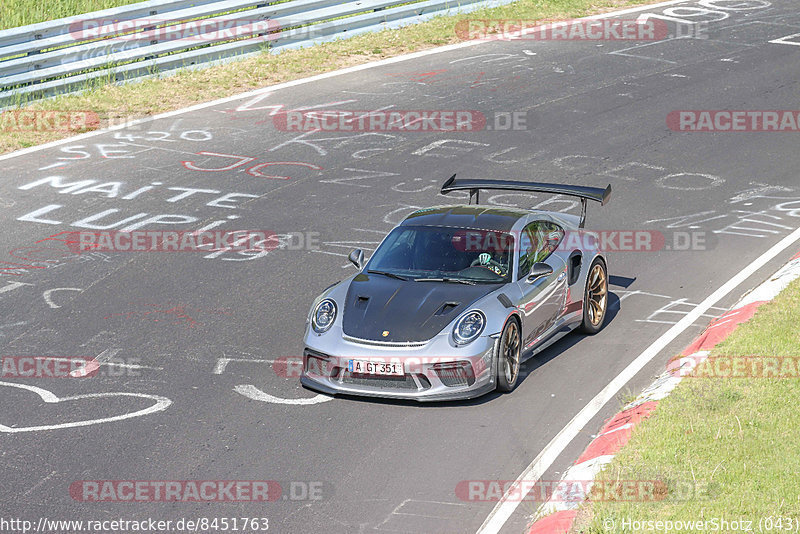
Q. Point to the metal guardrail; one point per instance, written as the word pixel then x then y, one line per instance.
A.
pixel 158 36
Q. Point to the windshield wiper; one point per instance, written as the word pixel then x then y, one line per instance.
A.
pixel 448 280
pixel 390 275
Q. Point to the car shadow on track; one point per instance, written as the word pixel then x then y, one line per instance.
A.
pixel 527 368
pixel 568 341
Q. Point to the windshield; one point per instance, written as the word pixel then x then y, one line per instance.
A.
pixel 430 253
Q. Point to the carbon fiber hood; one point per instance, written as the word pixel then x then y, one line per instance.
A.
pixel 409 311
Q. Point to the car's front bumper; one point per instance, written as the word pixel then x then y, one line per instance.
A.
pixel 433 371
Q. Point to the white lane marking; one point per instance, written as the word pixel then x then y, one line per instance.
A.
pixel 53 166
pixel 638 47
pixel 252 392
pixel 670 308
pixel 455 512
pixel 503 510
pixel 110 364
pixel 94 365
pixel 162 403
pixel 787 40
pixel 42 481
pixel 47 293
pixel 331 254
pixel 11 286
pixel 222 363
pixel 366 230
pixel 20 323
pixel 303 81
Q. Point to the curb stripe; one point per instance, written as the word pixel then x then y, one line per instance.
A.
pixel 550 453
pixel 604 447
pixel 609 442
pixel 557 523
pixel 722 327
pixel 630 416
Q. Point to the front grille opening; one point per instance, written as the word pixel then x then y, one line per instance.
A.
pixel 379 381
pixel 455 374
pixel 318 365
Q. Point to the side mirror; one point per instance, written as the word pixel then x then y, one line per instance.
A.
pixel 538 270
pixel 356 257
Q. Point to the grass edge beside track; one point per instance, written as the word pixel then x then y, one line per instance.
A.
pixel 116 104
pixel 15 13
pixel 725 447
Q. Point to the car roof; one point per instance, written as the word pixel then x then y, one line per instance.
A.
pixel 471 217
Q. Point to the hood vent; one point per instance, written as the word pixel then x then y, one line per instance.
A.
pixel 447 307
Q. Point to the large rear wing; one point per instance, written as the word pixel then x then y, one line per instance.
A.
pixel 474 186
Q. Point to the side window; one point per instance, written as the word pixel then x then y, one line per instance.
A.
pixel 526 251
pixel 538 240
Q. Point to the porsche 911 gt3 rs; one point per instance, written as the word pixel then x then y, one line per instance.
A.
pixel 455 298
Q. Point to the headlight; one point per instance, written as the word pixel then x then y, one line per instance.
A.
pixel 323 316
pixel 469 327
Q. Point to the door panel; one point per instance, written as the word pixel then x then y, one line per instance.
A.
pixel 544 300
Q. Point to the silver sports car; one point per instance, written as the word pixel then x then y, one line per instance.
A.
pixel 455 298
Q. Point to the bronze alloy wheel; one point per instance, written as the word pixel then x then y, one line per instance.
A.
pixel 598 294
pixel 509 356
pixel 595 298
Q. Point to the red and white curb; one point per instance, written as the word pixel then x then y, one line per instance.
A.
pixel 557 515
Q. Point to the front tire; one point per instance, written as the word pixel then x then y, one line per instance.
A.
pixel 508 356
pixel 595 298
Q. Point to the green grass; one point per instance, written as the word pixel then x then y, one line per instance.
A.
pixel 15 13
pixel 733 441
pixel 147 97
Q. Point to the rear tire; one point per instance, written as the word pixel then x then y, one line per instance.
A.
pixel 509 349
pixel 595 298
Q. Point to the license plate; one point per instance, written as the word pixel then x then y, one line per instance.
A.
pixel 367 367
